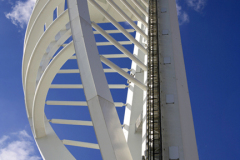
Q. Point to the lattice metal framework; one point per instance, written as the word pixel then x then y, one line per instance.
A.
pixel 69 35
pixel 154 139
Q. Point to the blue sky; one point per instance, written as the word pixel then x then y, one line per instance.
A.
pixel 210 40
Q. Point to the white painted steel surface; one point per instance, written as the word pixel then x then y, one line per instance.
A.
pixel 136 100
pixel 40 65
pixel 177 121
pixel 99 99
pixel 81 144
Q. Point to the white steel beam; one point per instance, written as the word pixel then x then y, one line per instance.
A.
pixel 40 95
pixel 36 57
pixel 77 103
pixel 132 10
pixel 140 7
pixel 114 55
pixel 134 106
pixel 50 146
pixel 52 48
pixel 145 3
pixel 35 33
pixel 79 86
pixel 114 31
pixel 109 70
pixel 117 25
pixel 177 119
pixel 37 8
pixel 119 46
pixel 80 144
pixel 123 73
pixel 109 43
pixel 120 11
pixel 109 56
pixel 71 122
pixel 67 103
pixel 100 103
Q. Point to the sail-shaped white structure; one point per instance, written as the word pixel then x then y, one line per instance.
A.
pixel 158 121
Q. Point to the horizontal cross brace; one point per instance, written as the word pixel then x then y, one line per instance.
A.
pixel 71 122
pixel 77 70
pixel 114 31
pixel 77 103
pixel 79 86
pixel 109 43
pixel 109 56
pixel 80 144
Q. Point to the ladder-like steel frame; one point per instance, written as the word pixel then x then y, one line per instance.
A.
pixel 154 138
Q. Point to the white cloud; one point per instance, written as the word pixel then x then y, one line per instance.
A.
pixel 3 139
pixel 21 12
pixel 197 5
pixel 182 15
pixel 21 148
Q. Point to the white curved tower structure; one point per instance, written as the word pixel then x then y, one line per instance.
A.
pixel 106 43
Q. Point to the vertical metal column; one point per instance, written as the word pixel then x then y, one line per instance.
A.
pixel 103 113
pixel 154 138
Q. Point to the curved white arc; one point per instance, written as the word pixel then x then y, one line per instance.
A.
pixel 36 32
pixel 130 8
pixel 37 8
pixel 35 59
pixel 60 21
pixel 120 11
pixel 119 46
pixel 46 60
pixel 43 86
pixel 50 146
pixel 117 25
pixel 46 10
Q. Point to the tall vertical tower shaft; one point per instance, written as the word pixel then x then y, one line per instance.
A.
pixel 177 136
